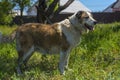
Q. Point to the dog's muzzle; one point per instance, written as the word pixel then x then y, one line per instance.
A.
pixel 89 26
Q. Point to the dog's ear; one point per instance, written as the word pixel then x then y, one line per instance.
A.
pixel 79 14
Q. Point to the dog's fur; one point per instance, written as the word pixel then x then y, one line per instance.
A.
pixel 60 38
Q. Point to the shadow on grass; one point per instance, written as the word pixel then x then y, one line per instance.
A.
pixel 46 63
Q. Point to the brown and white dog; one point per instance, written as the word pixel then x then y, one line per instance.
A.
pixel 60 38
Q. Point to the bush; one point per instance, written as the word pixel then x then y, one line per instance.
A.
pixel 5 19
pixel 5 8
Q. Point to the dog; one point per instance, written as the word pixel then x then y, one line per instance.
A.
pixel 59 37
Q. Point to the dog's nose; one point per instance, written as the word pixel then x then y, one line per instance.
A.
pixel 95 22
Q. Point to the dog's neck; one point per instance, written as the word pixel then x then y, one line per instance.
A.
pixel 73 20
pixel 77 25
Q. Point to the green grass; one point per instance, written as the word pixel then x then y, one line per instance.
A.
pixel 96 58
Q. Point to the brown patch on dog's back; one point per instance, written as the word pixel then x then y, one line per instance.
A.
pixel 42 35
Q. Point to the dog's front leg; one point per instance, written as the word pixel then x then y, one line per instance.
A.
pixel 63 56
pixel 67 61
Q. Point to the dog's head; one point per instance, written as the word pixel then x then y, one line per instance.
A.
pixel 86 19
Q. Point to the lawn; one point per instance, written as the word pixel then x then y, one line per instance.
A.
pixel 97 57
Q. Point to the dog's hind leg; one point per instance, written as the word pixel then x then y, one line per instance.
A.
pixel 25 50
pixel 23 58
pixel 28 55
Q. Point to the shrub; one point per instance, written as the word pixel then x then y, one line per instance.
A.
pixel 5 8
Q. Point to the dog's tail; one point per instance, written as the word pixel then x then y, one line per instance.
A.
pixel 8 39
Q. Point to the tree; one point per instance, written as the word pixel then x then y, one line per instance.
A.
pixel 5 8
pixel 22 4
pixel 47 9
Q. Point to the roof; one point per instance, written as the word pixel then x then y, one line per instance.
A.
pixel 117 4
pixel 108 9
pixel 74 7
pixel 113 7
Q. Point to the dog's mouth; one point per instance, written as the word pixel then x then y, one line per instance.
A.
pixel 89 27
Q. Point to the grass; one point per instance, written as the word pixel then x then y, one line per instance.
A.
pixel 96 58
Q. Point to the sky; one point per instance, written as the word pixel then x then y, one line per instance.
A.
pixel 97 5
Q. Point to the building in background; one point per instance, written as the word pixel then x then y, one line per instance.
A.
pixel 72 8
pixel 115 7
pixel 15 12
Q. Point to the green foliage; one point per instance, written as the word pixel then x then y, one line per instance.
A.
pixel 96 58
pixel 49 2
pixel 5 8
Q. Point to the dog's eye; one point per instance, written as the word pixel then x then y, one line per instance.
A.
pixel 86 17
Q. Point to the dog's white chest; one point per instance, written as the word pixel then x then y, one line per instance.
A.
pixel 72 36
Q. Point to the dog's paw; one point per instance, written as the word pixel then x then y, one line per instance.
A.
pixel 71 70
pixel 68 69
pixel 63 73
pixel 18 71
